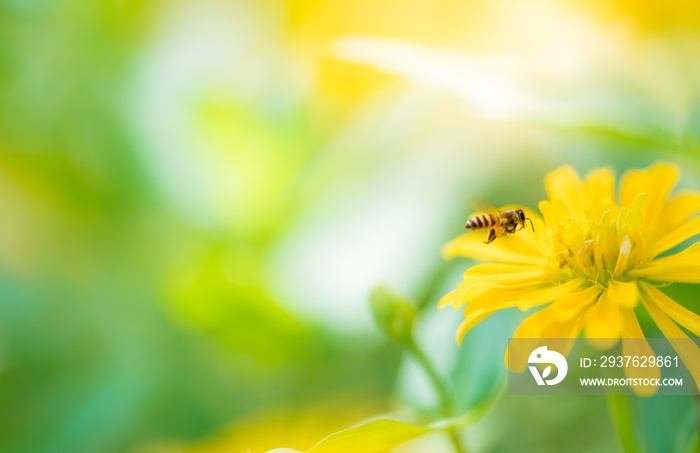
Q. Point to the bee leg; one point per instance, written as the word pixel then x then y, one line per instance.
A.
pixel 492 237
pixel 511 231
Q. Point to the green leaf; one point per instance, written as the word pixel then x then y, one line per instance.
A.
pixel 479 371
pixel 378 436
pixel 474 372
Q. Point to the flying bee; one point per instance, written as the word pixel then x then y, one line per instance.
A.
pixel 498 224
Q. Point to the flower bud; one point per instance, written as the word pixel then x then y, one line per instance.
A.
pixel 393 314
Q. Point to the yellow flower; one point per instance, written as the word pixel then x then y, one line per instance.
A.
pixel 593 259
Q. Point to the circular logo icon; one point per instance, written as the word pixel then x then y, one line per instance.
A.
pixel 542 355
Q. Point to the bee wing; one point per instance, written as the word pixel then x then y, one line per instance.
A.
pixel 534 215
pixel 481 206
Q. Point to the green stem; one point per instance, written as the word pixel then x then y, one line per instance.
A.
pixel 445 404
pixel 455 441
pixel 696 447
pixel 445 401
pixel 619 407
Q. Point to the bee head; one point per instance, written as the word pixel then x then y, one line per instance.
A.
pixel 522 219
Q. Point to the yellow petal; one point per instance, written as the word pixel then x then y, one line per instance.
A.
pixel 584 255
pixel 550 323
pixel 625 294
pixel 603 325
pixel 570 326
pixel 684 276
pixel 570 305
pixel 545 295
pixel 635 345
pixel 551 214
pixel 505 249
pixel 624 255
pixel 495 297
pixel 469 293
pixel 675 237
pixel 565 334
pixel 687 350
pixel 489 269
pixel 600 193
pixel 565 184
pixel 469 323
pixel 451 298
pixel 657 181
pixel 677 312
pixel 604 233
pixel 477 280
pixel 681 267
pixel 574 235
pixel 538 237
pixel 680 260
pixel 489 302
pixel 512 275
pixel 461 296
pixel 474 313
pixel 529 329
pixel 681 208
pixel 631 223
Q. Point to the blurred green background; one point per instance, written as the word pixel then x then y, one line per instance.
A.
pixel 196 199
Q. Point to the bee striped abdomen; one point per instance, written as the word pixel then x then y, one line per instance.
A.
pixel 481 222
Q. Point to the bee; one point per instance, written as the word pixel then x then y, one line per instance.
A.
pixel 498 224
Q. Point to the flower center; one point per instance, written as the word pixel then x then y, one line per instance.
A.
pixel 597 253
